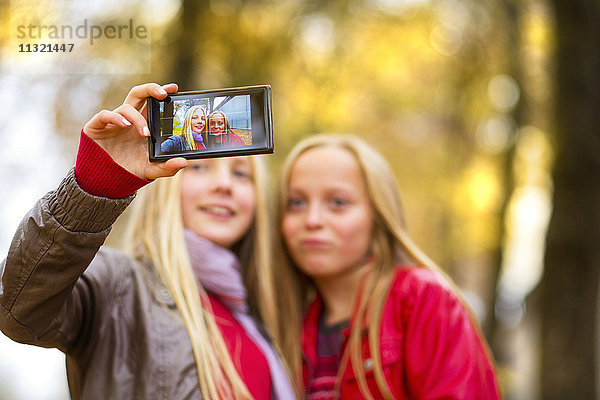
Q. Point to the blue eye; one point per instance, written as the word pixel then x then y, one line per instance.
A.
pixel 197 167
pixel 338 202
pixel 240 173
pixel 295 203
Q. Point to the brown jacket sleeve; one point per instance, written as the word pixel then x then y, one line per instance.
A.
pixel 54 244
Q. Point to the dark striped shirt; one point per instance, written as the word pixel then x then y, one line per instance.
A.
pixel 329 349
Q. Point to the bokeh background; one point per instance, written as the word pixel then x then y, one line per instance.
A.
pixel 488 111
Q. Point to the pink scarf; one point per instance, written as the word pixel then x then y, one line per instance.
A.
pixel 218 271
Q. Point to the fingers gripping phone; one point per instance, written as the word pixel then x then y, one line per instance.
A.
pixel 211 123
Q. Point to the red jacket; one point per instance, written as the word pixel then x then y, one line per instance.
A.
pixel 429 347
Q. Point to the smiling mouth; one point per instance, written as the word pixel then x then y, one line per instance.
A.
pixel 218 211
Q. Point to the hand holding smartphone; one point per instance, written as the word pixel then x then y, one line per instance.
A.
pixel 211 123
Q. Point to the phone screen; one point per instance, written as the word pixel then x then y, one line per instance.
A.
pixel 217 123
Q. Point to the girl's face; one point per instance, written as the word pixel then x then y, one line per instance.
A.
pixel 198 120
pixel 218 198
pixel 217 125
pixel 328 221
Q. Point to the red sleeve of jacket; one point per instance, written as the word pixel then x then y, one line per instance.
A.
pixel 445 356
pixel 99 175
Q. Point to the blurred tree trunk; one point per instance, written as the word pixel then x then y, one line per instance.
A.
pixel 511 12
pixel 570 284
pixel 185 47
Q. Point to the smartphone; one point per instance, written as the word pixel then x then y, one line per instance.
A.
pixel 211 123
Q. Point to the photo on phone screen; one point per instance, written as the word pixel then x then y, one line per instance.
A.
pixel 215 123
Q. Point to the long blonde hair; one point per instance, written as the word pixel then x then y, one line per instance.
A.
pixel 390 246
pixel 156 236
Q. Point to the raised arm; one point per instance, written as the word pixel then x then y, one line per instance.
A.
pixel 52 247
pixel 43 299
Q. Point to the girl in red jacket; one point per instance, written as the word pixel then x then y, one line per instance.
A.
pixel 385 322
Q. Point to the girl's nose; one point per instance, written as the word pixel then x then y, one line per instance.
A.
pixel 314 217
pixel 221 179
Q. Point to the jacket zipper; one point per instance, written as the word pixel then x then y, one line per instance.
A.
pixel 311 373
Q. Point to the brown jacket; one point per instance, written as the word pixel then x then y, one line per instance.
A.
pixel 111 316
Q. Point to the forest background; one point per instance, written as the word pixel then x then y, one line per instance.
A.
pixel 488 111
